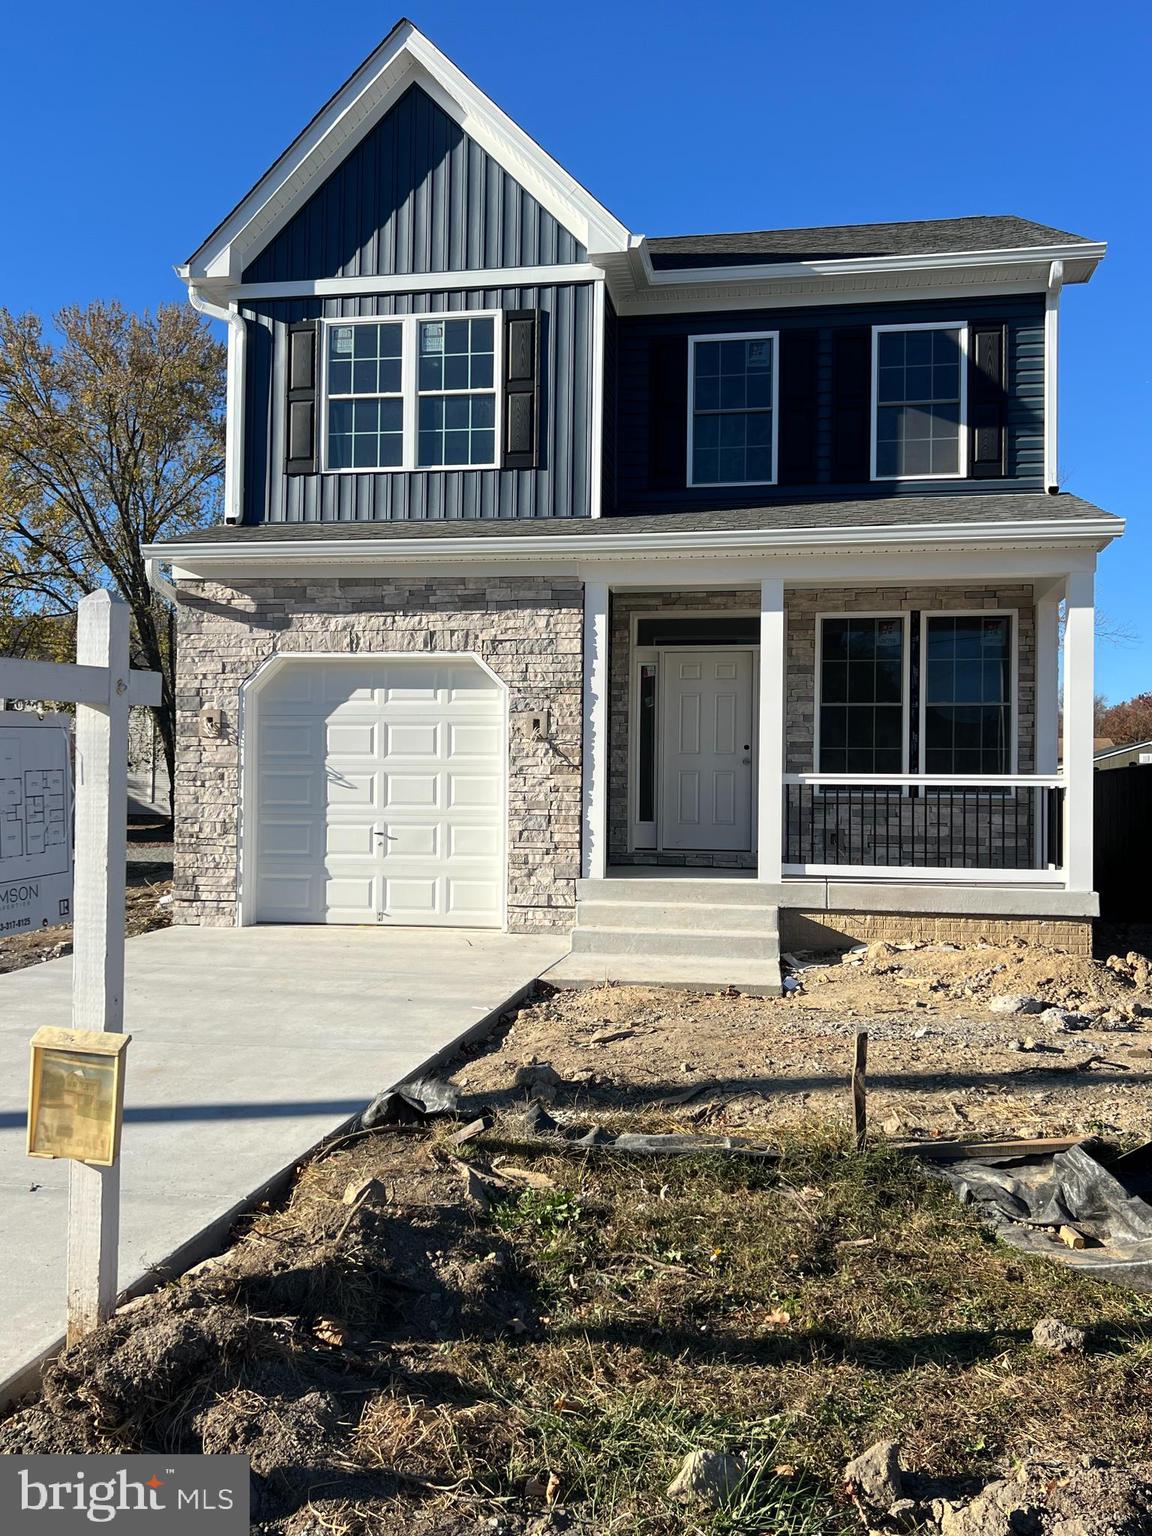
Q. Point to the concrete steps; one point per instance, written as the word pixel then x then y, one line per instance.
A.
pixel 703 934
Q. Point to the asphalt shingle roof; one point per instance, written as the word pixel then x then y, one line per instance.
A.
pixel 838 242
pixel 896 512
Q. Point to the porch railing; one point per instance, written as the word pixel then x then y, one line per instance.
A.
pixel 1000 827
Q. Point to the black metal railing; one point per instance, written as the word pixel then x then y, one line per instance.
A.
pixel 916 822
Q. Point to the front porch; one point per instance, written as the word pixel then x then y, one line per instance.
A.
pixel 863 733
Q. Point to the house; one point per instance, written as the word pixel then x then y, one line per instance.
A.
pixel 1136 754
pixel 658 589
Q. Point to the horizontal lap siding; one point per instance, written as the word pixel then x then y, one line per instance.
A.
pixel 560 487
pixel 637 336
pixel 415 195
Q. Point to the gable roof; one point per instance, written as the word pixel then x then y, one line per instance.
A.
pixel 404 58
pixel 840 242
pixel 1128 746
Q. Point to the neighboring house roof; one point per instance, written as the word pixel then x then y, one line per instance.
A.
pixel 1130 746
pixel 908 514
pixel 839 242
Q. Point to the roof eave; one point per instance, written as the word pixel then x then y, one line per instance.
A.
pixel 1093 533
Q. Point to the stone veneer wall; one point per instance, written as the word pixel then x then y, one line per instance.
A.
pixel 529 630
pixel 801 604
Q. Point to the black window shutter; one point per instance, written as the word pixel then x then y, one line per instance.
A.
pixel 300 408
pixel 668 418
pixel 798 407
pixel 987 354
pixel 851 404
pixel 521 389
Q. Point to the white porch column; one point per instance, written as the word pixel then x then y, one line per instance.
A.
pixel 770 762
pixel 1078 729
pixel 594 842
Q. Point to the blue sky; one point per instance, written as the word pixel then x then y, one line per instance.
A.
pixel 141 124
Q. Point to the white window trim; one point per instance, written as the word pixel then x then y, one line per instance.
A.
pixel 905 619
pixel 926 325
pixel 1013 616
pixel 409 394
pixel 693 343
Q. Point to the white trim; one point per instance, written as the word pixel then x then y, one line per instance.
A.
pixel 931 780
pixel 905 617
pixel 248 724
pixel 984 551
pixel 1052 376
pixel 693 343
pixel 233 399
pixel 772 733
pixel 596 403
pixel 1013 617
pixel 1132 746
pixel 597 687
pixel 410 393
pixel 1046 710
pixel 422 282
pixel 1079 700
pixel 962 441
pixel 403 57
pixel 940 876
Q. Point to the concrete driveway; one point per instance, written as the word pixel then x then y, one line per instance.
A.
pixel 249 1046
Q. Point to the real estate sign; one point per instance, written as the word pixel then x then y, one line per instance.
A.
pixel 35 822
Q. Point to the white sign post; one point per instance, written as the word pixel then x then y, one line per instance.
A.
pixel 103 687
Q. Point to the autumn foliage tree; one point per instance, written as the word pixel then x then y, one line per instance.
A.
pixel 111 436
pixel 1127 722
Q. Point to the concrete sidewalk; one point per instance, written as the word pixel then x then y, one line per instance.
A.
pixel 249 1045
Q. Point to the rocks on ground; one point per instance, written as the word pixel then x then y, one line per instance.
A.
pixel 708 1478
pixel 1058 1338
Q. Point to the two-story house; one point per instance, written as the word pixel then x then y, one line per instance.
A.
pixel 643 587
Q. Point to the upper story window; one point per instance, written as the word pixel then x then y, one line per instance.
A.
pixel 919 401
pixel 416 392
pixel 732 409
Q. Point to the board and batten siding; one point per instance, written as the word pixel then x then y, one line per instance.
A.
pixel 559 487
pixel 646 434
pixel 415 195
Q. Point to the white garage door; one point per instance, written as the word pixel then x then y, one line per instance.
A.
pixel 378 794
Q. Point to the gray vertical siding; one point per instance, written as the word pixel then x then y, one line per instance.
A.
pixel 415 195
pixel 560 487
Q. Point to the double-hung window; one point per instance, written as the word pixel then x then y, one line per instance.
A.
pixel 415 392
pixel 732 415
pixel 861 698
pixel 967 691
pixel 919 395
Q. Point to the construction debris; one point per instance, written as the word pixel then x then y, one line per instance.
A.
pixel 411 1103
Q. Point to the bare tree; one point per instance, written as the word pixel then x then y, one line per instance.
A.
pixel 111 435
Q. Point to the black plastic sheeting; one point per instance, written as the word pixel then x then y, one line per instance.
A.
pixel 413 1102
pixel 1087 1187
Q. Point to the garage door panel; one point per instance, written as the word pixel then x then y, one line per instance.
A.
pixel 412 900
pixel 380 785
pixel 352 738
pixel 416 840
pixel 412 739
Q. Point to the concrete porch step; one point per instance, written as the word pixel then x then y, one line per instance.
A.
pixel 677 916
pixel 735 890
pixel 715 943
pixel 683 972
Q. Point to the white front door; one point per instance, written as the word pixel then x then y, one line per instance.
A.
pixel 378 792
pixel 707 751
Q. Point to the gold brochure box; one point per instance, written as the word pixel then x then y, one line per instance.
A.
pixel 76 1095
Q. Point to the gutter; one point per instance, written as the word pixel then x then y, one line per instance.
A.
pixel 753 540
pixel 234 397
pixel 156 578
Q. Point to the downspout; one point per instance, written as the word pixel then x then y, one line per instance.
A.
pixel 157 579
pixel 234 399
pixel 1051 377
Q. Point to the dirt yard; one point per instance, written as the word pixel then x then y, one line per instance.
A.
pixel 512 1334
pixel 941 1062
pixel 142 913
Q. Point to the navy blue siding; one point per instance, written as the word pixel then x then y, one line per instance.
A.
pixel 415 195
pixel 560 487
pixel 635 336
